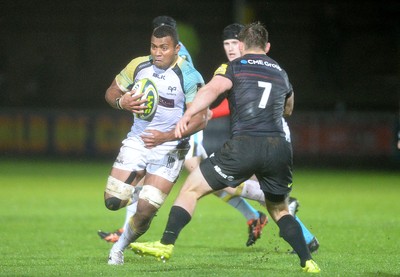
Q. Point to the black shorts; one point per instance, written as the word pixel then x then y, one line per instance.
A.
pixel 269 158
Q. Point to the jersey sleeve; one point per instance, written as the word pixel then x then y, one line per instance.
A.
pixel 224 70
pixel 184 53
pixel 126 78
pixel 192 82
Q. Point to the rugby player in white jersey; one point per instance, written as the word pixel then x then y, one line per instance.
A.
pixel 177 82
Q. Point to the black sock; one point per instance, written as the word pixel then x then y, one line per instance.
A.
pixel 290 231
pixel 177 219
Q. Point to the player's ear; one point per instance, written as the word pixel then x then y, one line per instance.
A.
pixel 177 48
pixel 267 47
pixel 241 47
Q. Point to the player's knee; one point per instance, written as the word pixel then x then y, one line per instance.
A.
pixel 117 194
pixel 113 203
pixel 153 195
pixel 276 205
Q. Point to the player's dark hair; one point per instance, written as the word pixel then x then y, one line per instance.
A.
pixel 164 20
pixel 166 31
pixel 254 35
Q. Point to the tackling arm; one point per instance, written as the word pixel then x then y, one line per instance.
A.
pixel 204 97
pixel 152 138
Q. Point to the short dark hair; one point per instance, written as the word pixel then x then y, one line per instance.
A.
pixel 232 31
pixel 166 31
pixel 164 20
pixel 254 35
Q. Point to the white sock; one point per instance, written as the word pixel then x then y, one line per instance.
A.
pixel 251 190
pixel 130 211
pixel 124 240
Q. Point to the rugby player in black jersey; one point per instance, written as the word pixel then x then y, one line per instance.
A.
pixel 250 189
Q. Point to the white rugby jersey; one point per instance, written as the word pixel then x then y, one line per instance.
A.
pixel 176 86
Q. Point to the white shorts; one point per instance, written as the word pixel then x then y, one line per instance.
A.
pixel 163 161
pixel 196 146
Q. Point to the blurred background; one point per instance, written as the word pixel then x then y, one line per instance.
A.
pixel 57 58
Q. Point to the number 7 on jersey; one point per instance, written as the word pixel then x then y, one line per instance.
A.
pixel 267 90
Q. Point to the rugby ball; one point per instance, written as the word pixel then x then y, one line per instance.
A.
pixel 150 93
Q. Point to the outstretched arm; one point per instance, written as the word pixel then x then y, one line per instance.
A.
pixel 204 97
pixel 198 122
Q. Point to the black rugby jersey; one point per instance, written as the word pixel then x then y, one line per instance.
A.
pixel 257 98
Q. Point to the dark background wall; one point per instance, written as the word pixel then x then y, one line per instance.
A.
pixel 57 58
pixel 339 55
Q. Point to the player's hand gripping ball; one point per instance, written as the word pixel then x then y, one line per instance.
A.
pixel 150 93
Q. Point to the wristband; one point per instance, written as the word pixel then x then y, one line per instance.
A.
pixel 117 104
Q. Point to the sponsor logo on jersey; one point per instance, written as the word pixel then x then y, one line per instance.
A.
pixel 261 62
pixel 172 90
pixel 158 76
pixel 165 102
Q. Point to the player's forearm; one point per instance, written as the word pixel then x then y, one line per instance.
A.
pixel 197 106
pixel 197 123
pixel 204 98
pixel 113 93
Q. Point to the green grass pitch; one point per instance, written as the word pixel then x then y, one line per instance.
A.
pixel 50 212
